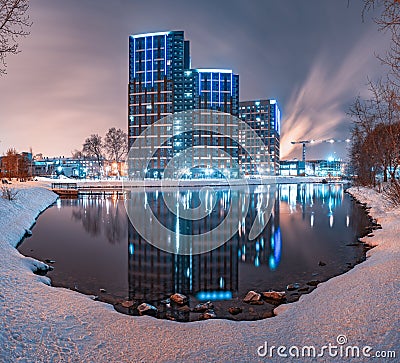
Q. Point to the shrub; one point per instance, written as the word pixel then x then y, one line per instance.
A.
pixel 9 193
pixel 392 193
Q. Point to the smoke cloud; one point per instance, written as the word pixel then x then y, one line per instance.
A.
pixel 317 109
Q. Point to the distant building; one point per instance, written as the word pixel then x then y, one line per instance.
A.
pixel 321 168
pixel 264 117
pixel 161 83
pixel 292 168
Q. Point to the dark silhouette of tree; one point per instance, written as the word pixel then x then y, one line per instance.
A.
pixel 14 22
pixel 77 154
pixel 93 147
pixel 116 144
pixel 389 20
pixel 376 134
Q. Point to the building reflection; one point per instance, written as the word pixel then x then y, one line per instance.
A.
pixel 155 274
pixel 100 215
pixel 305 196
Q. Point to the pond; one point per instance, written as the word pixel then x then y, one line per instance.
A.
pixel 308 235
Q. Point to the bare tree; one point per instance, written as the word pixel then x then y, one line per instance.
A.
pixel 77 154
pixel 389 20
pixel 10 164
pixel 376 134
pixel 93 147
pixel 13 24
pixel 116 144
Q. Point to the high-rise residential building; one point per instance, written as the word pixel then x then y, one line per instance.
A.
pixel 162 83
pixel 216 89
pixel 264 117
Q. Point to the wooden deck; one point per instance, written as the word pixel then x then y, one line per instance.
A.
pixel 73 190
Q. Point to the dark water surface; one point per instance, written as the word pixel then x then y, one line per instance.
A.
pixel 310 236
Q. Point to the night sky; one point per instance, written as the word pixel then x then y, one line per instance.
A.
pixel 313 56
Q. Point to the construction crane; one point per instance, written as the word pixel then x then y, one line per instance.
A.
pixel 304 142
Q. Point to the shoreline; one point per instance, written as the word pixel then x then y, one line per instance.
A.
pixel 42 323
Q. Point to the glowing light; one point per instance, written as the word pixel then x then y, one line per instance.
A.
pixel 165 54
pixel 135 36
pixel 214 295
pixel 152 61
pixel 211 89
pixel 213 70
pixel 134 58
pixel 272 102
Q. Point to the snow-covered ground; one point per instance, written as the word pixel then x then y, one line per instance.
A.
pixel 40 323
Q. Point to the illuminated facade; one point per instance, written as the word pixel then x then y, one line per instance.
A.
pixel 264 118
pixel 161 83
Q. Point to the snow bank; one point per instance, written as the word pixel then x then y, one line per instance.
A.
pixel 40 323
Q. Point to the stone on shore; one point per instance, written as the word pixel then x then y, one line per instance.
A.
pixel 147 309
pixel 179 299
pixel 252 297
pixel 275 296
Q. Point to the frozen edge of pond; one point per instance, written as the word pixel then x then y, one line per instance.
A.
pixel 40 323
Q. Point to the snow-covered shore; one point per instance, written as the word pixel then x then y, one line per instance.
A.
pixel 40 323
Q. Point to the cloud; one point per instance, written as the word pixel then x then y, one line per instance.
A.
pixel 317 109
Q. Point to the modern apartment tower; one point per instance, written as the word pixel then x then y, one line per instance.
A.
pixel 161 83
pixel 264 117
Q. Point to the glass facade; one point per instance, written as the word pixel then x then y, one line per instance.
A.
pixel 264 117
pixel 162 83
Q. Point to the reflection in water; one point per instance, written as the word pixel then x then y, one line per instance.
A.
pixel 95 247
pixel 101 216
pixel 219 274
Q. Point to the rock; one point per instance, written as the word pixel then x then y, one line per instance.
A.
pixel 304 289
pixel 235 310
pixel 320 263
pixel 179 299
pixel 256 302
pixel 201 308
pixel 208 315
pixel 28 233
pixel 49 261
pixel 165 302
pixel 170 317
pixel 103 290
pixel 292 287
pixel 313 282
pixel 275 296
pixel 127 303
pixel 184 309
pixel 147 309
pixel 252 296
pixel 371 235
